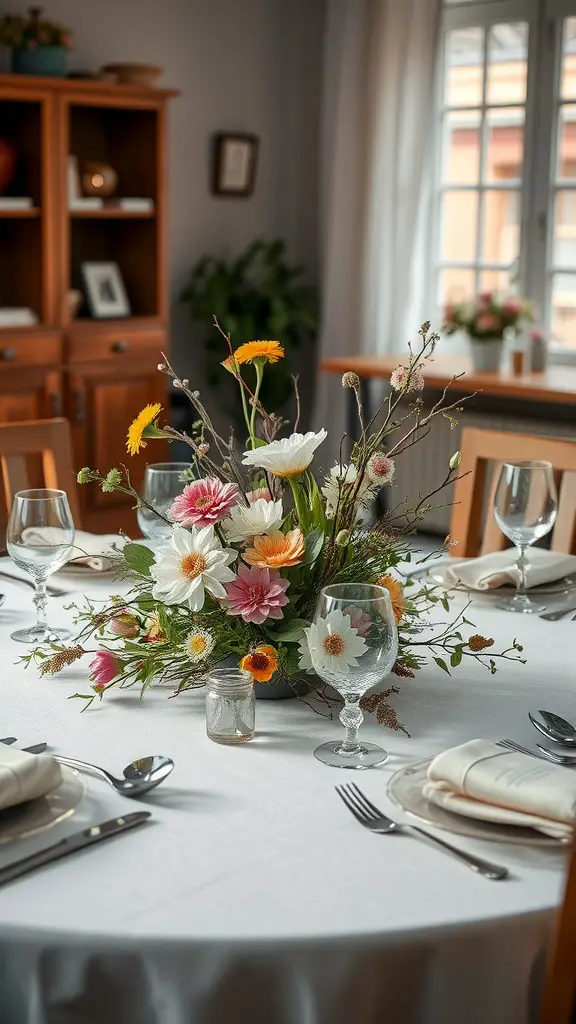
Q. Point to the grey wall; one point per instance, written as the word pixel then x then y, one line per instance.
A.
pixel 246 65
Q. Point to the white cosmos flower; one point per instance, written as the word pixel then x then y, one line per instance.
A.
pixel 251 521
pixel 193 561
pixel 288 457
pixel 339 481
pixel 334 644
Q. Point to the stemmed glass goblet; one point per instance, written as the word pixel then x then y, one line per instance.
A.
pixel 39 539
pixel 353 644
pixel 162 484
pixel 525 506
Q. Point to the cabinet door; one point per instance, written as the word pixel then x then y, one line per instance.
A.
pixel 101 405
pixel 31 394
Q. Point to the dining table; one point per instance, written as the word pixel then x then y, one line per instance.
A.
pixel 253 894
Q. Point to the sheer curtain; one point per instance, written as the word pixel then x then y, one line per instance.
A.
pixel 379 71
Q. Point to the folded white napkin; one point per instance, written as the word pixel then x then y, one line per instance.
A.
pixel 91 550
pixel 499 568
pixel 26 776
pixel 480 780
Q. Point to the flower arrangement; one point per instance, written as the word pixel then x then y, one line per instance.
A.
pixel 30 33
pixel 486 317
pixel 253 539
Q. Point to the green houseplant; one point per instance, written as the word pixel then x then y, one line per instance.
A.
pixel 38 46
pixel 256 295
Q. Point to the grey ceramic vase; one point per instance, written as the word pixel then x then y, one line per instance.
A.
pixel 487 354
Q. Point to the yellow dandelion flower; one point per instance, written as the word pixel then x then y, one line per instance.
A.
pixel 135 440
pixel 270 351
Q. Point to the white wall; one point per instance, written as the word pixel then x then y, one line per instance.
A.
pixel 246 65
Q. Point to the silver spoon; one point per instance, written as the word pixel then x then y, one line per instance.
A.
pixel 139 776
pixel 553 727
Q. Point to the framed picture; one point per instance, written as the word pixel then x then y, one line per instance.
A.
pixel 235 160
pixel 105 290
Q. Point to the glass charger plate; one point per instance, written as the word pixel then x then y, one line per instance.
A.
pixel 405 789
pixel 565 585
pixel 37 815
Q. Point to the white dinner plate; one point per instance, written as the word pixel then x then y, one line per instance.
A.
pixel 37 815
pixel 405 788
pixel 565 585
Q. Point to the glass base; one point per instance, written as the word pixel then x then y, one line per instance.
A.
pixel 367 755
pixel 39 634
pixel 521 603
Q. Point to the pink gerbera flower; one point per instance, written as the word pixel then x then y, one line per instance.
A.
pixel 204 502
pixel 104 667
pixel 405 379
pixel 257 594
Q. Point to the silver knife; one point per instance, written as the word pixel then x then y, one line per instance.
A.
pixel 78 841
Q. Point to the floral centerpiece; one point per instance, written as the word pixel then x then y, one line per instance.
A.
pixel 486 320
pixel 253 538
pixel 38 46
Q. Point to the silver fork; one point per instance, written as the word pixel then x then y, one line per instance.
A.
pixel 368 815
pixel 546 755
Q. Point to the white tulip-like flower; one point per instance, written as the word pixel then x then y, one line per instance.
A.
pixel 260 517
pixel 192 562
pixel 334 644
pixel 340 480
pixel 288 457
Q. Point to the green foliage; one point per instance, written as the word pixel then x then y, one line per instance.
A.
pixel 139 558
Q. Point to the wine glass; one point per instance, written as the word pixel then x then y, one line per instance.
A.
pixel 162 483
pixel 39 539
pixel 525 507
pixel 353 644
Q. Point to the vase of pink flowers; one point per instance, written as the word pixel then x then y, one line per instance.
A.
pixel 487 320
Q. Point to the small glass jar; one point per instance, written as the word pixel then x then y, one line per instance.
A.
pixel 230 706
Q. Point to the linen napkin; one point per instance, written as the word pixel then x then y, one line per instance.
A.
pixel 480 780
pixel 26 776
pixel 495 570
pixel 91 550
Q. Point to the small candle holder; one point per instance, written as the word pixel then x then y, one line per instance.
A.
pixel 230 706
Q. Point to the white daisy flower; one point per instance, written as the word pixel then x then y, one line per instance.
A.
pixel 198 644
pixel 339 480
pixel 334 644
pixel 259 517
pixel 192 562
pixel 305 661
pixel 288 457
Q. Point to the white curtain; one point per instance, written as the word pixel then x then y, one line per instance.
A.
pixel 378 115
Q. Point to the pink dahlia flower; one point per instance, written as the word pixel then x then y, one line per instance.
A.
pixel 489 323
pixel 257 594
pixel 403 379
pixel 512 307
pixel 260 492
pixel 204 502
pixel 104 667
pixel 359 620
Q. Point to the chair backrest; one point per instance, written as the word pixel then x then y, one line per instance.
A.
pixel 558 1004
pixel 48 439
pixel 474 491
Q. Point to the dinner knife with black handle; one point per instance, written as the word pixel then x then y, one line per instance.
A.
pixel 78 841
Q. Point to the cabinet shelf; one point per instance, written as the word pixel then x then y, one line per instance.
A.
pixel 28 214
pixel 112 214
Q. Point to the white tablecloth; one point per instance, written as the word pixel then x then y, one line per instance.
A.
pixel 254 895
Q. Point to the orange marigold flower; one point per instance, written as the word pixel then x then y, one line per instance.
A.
pixel 270 351
pixel 396 591
pixel 479 643
pixel 261 663
pixel 276 550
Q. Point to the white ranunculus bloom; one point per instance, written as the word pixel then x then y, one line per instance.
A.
pixel 192 562
pixel 260 517
pixel 334 644
pixel 339 478
pixel 288 457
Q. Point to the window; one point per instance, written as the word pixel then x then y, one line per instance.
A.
pixel 505 204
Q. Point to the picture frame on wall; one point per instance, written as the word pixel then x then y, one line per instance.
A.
pixel 105 291
pixel 235 164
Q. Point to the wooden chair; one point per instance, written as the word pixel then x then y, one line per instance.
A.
pixel 558 1004
pixel 48 439
pixel 481 447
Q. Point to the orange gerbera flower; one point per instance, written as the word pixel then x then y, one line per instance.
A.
pixel 261 663
pixel 270 351
pixel 276 550
pixel 396 591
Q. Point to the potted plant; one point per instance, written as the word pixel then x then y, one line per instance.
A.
pixel 38 46
pixel 256 295
pixel 487 320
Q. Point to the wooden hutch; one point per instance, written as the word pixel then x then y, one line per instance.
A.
pixel 98 373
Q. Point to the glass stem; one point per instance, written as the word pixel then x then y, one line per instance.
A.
pixel 522 565
pixel 351 718
pixel 40 600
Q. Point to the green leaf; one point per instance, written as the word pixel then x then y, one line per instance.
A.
pixel 314 543
pixel 445 603
pixel 290 632
pixel 442 664
pixel 139 558
pixel 146 602
pixel 456 657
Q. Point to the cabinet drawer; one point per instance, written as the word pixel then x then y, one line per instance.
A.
pixel 30 350
pixel 115 343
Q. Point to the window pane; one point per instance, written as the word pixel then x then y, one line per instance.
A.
pixel 461 155
pixel 499 281
pixel 501 226
pixel 455 285
pixel 568 87
pixel 464 61
pixel 507 62
pixel 566 167
pixel 504 143
pixel 459 220
pixel 564 309
pixel 565 229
